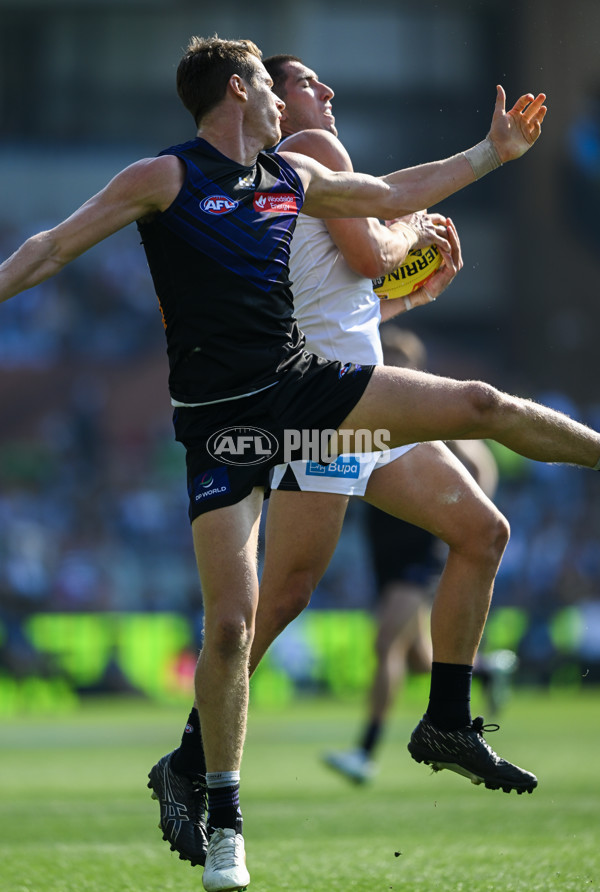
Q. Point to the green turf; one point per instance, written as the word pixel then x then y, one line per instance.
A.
pixel 75 814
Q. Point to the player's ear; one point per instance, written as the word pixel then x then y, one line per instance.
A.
pixel 238 87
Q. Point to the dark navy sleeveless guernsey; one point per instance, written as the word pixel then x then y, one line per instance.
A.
pixel 219 261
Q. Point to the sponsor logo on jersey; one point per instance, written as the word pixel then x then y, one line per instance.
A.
pixel 218 204
pixel 242 446
pixel 275 202
pixel 210 484
pixel 347 466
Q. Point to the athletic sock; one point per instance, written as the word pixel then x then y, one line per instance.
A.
pixel 189 758
pixel 450 696
pixel 371 736
pixel 224 800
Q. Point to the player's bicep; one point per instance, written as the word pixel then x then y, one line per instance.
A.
pixel 144 188
pixel 344 194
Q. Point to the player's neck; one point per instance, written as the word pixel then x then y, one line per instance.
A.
pixel 227 130
pixel 237 147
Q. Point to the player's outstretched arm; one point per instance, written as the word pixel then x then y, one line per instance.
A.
pixel 143 188
pixel 344 194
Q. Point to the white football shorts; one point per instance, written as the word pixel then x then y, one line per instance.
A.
pixel 346 475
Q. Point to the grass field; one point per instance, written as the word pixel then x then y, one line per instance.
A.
pixel 75 814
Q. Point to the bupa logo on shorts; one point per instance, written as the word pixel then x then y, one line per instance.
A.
pixel 242 446
pixel 214 482
pixel 275 202
pixel 218 204
pixel 347 466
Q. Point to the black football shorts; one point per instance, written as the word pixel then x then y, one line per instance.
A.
pixel 232 446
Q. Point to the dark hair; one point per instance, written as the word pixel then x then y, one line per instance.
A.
pixel 275 65
pixel 206 67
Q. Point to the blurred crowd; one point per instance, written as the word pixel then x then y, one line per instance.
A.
pixel 96 520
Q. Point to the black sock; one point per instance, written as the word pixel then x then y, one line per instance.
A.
pixel 450 696
pixel 224 808
pixel 370 738
pixel 189 758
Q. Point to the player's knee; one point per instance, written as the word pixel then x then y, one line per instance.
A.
pixel 482 535
pixel 485 403
pixel 230 636
pixel 493 533
pixel 282 601
pixel 299 591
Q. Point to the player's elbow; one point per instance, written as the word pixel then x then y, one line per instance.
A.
pixel 367 270
pixel 370 263
pixel 53 253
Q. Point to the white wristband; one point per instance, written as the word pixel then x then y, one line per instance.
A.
pixel 408 303
pixel 483 158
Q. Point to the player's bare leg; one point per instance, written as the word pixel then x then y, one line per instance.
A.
pixel 416 406
pixel 302 531
pixel 225 544
pixel 432 489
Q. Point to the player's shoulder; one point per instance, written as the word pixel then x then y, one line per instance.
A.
pixel 155 181
pixel 321 145
pixel 165 169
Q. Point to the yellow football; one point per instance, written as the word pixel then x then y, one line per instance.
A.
pixel 418 267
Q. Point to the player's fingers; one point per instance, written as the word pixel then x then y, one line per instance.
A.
pixel 522 102
pixel 540 116
pixel 534 127
pixel 452 231
pixel 500 99
pixel 441 240
pixel 443 276
pixel 449 267
pixel 452 234
pixel 535 108
pixel 455 245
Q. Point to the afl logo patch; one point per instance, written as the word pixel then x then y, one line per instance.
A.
pixel 218 204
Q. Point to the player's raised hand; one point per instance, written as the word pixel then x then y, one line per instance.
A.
pixel 514 132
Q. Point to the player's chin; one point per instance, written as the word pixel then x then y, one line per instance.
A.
pixel 275 136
